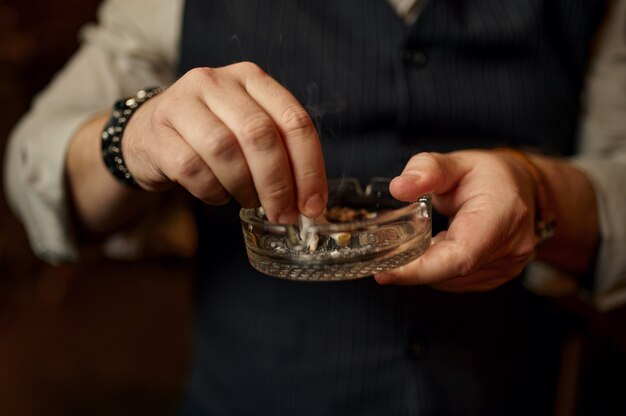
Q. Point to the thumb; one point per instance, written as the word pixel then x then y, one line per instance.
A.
pixel 428 172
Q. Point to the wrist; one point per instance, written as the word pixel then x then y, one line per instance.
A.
pixel 114 133
pixel 545 219
pixel 574 247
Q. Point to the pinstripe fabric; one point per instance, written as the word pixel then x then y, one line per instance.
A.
pixel 469 73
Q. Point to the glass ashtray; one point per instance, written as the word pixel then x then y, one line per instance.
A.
pixel 364 231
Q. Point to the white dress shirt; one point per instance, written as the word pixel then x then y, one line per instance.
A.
pixel 135 44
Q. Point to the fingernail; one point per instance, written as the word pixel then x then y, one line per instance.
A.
pixel 314 205
pixel 288 217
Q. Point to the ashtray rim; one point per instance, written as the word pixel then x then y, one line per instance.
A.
pixel 249 215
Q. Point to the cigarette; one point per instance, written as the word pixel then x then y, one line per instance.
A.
pixel 341 239
pixel 308 236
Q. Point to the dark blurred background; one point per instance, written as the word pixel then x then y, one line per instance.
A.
pixel 113 338
pixel 103 338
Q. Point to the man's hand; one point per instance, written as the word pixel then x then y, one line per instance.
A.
pixel 231 131
pixel 490 200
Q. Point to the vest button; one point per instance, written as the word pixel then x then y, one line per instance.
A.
pixel 415 58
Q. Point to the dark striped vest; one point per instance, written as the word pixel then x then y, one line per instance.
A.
pixel 469 73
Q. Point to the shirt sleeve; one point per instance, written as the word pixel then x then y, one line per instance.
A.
pixel 134 45
pixel 602 153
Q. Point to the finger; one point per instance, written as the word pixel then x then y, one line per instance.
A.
pixel 467 244
pixel 502 269
pixel 438 263
pixel 262 148
pixel 217 145
pixel 300 138
pixel 184 166
pixel 428 172
pixel 489 277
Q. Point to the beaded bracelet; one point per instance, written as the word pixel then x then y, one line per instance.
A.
pixel 114 130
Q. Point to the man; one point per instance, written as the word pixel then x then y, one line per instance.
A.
pixel 272 98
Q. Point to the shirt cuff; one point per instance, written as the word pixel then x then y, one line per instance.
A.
pixel 607 179
pixel 36 189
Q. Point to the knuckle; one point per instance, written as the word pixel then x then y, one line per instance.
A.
pixel 278 192
pixel 430 164
pixel 200 74
pixel 258 131
pixel 210 191
pixel 295 120
pixel 438 163
pixel 311 171
pixel 428 158
pixel 188 165
pixel 221 143
pixel 203 79
pixel 160 115
pixel 250 68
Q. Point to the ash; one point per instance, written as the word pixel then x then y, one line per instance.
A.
pixel 326 250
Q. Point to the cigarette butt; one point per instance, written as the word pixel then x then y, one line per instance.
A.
pixel 312 241
pixel 304 223
pixel 342 239
pixel 307 235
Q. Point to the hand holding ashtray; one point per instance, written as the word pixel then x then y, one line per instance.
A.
pixel 363 232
